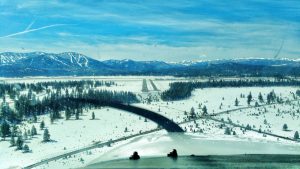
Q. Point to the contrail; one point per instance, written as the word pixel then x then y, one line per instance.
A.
pixel 29 26
pixel 279 50
pixel 32 30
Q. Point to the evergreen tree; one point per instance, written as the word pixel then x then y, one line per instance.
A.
pixel 227 131
pixel 34 118
pixel 204 110
pixel 19 143
pixel 249 98
pixel 260 98
pixel 77 115
pixel 236 103
pixel 5 129
pixel 248 127
pixel 33 131
pixel 296 135
pixel 42 125
pixel 26 148
pixel 93 116
pixel 285 127
pixel 268 99
pixel 192 113
pixel 46 136
pixel 68 114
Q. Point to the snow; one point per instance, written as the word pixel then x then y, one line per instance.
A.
pixel 73 134
pixel 202 136
pixel 159 144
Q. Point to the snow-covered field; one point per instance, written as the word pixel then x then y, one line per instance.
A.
pixel 73 134
pixel 207 135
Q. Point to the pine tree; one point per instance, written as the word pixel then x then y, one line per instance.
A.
pixel 26 148
pixel 93 116
pixel 19 143
pixel 46 136
pixel 249 98
pixel 192 113
pixel 204 110
pixel 268 99
pixel 42 125
pixel 33 131
pixel 199 106
pixel 285 127
pixel 67 114
pixel 28 132
pixel 227 131
pixel 77 115
pixel 248 127
pixel 5 129
pixel 296 135
pixel 34 118
pixel 260 98
pixel 236 103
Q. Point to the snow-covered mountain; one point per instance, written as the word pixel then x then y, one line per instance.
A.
pixel 246 61
pixel 71 63
pixel 139 66
pixel 49 64
pixel 68 59
pixel 10 58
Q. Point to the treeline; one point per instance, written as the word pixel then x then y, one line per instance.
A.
pixel 26 107
pixel 183 90
pixel 12 89
pixel 30 105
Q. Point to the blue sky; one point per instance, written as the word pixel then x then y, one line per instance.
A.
pixel 172 30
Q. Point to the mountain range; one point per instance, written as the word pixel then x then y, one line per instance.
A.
pixel 75 64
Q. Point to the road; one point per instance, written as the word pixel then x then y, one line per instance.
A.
pixel 93 146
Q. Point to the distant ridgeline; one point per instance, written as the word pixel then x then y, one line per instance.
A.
pixel 183 90
pixel 76 64
pixel 57 96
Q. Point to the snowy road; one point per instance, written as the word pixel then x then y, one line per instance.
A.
pixel 96 145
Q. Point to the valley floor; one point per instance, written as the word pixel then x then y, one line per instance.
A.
pixel 203 136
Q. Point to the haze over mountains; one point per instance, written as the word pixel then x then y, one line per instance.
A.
pixel 75 64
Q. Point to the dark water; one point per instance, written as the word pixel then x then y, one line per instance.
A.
pixel 208 162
